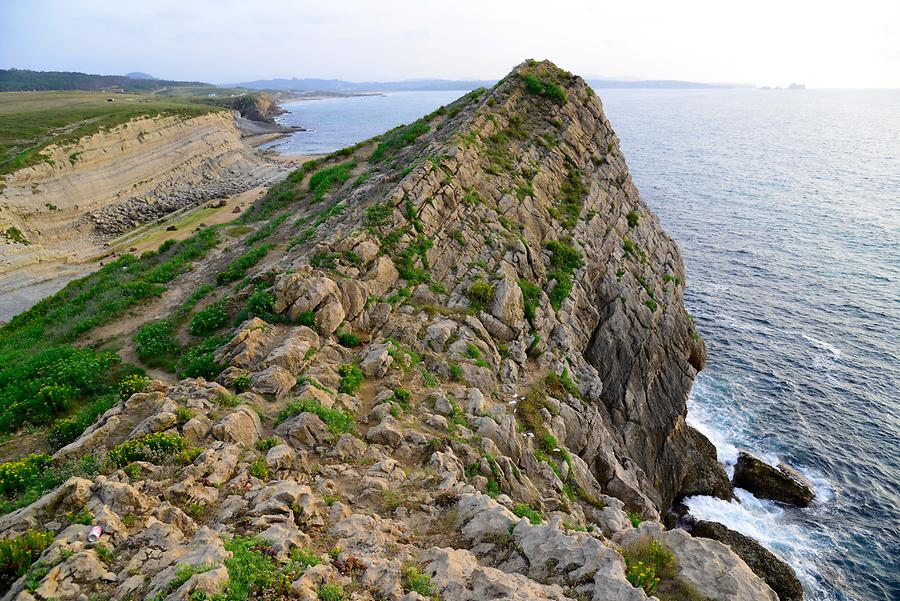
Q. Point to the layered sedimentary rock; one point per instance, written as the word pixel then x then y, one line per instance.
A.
pixel 469 382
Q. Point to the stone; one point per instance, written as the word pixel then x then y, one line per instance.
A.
pixel 780 577
pixel 387 432
pixel 241 426
pixel 305 431
pixel 380 276
pixel 248 345
pixel 782 484
pixel 376 361
pixel 274 380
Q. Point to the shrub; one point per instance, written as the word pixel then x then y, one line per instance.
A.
pixel 208 320
pixel 259 469
pixel 198 361
pixel 17 553
pixel 632 218
pixel 17 476
pixel 416 581
pixel 263 445
pixel 634 518
pixel 564 256
pixel 480 293
pixel 308 319
pixel 351 378
pixel 544 87
pixel 338 422
pixel 402 397
pixel 377 215
pixel 331 592
pixel 152 447
pixel 155 341
pixel 348 339
pixel 647 563
pixel 242 383
pixel 260 304
pixel 65 430
pixel 324 180
pixel 83 517
pixel 133 384
pixel 524 511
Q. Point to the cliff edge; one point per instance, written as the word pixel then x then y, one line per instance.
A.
pixel 449 362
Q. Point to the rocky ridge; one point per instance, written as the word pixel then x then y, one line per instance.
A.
pixel 506 422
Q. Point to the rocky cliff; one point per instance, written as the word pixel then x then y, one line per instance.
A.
pixel 460 373
pixel 103 185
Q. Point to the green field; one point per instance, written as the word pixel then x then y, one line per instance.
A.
pixel 30 121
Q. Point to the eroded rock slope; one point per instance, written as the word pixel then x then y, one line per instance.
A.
pixel 469 382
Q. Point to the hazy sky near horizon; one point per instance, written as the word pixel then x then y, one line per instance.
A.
pixel 823 43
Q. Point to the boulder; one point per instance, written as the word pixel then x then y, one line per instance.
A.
pixel 782 484
pixel 388 432
pixel 248 345
pixel 273 380
pixel 305 431
pixel 240 426
pixel 778 575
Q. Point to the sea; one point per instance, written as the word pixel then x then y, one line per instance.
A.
pixel 786 206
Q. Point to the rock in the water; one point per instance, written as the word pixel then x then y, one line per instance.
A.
pixel 777 574
pixel 783 484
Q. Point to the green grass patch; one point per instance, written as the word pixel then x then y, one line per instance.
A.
pixel 524 511
pixel 237 269
pixel 323 181
pixel 339 422
pixel 351 378
pixel 397 139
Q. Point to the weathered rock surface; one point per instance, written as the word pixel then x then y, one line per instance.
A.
pixel 777 574
pixel 489 384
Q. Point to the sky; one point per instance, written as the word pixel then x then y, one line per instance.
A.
pixel 822 43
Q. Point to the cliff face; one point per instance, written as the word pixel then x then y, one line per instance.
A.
pixel 115 180
pixel 506 188
pixel 460 373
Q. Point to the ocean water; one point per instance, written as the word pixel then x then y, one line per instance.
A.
pixel 786 206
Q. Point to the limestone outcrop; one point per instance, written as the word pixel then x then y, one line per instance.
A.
pixel 467 380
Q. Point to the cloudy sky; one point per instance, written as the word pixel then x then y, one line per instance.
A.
pixel 823 43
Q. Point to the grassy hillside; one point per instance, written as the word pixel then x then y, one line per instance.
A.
pixel 16 80
pixel 30 121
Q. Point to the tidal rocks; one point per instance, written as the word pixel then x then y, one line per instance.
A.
pixel 783 484
pixel 777 574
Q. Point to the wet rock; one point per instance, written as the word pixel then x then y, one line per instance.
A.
pixel 777 574
pixel 782 484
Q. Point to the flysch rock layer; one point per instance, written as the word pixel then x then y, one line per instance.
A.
pixel 510 472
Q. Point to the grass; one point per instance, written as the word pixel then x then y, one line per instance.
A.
pixel 480 293
pixel 324 180
pixel 564 260
pixel 31 121
pixel 237 269
pixel 543 86
pixel 531 298
pixel 397 139
pixel 647 563
pixel 416 581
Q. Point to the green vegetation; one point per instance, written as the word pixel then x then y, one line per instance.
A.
pixel 574 191
pixel 524 511
pixel 416 581
pixel 208 320
pixel 377 215
pixel 397 139
pixel 324 180
pixel 647 563
pixel 564 260
pixel 14 234
pixel 259 469
pixel 634 518
pixel 68 429
pixel 280 195
pixel 338 422
pixel 632 218
pixel 351 378
pixel 154 448
pixel 267 230
pixel 480 293
pixel 17 553
pixel 31 121
pixel 237 269
pixel 348 339
pixel 155 343
pixel 331 592
pixel 531 298
pixel 198 361
pixel 543 86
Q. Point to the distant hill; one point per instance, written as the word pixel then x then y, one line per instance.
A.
pixel 339 85
pixel 139 75
pixel 20 80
